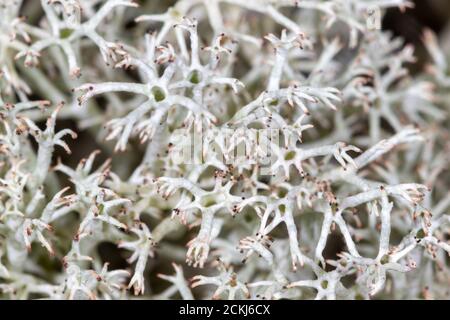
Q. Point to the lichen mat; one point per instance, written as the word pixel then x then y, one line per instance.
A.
pixel 225 149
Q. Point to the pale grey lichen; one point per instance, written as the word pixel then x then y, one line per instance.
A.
pixel 262 148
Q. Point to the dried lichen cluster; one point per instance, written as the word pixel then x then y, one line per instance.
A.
pixel 349 201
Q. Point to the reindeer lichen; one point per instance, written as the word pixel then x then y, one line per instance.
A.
pixel 263 153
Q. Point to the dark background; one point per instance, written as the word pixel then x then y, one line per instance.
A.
pixel 432 14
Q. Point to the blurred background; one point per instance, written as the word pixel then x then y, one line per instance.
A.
pixel 432 14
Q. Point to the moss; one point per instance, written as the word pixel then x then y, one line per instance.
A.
pixel 281 193
pixel 359 296
pixel 334 207
pixel 158 93
pixel 289 156
pixel 384 259
pixel 65 33
pixel 101 207
pixel 420 234
pixel 195 77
